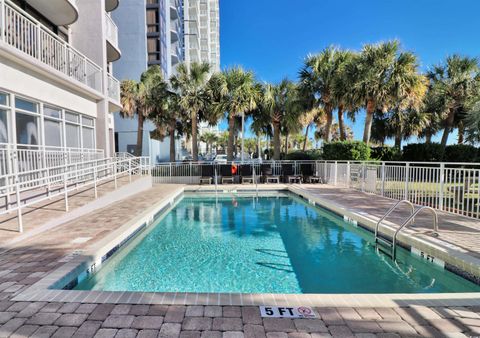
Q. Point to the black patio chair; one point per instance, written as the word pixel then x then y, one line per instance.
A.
pixel 267 174
pixel 288 173
pixel 206 173
pixel 308 174
pixel 226 173
pixel 246 172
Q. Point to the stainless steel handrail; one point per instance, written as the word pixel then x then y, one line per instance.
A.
pixel 435 226
pixel 389 212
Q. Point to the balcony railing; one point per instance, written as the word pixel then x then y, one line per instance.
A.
pixel 113 88
pixel 23 32
pixel 111 31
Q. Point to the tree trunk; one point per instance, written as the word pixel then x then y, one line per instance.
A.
pixel 286 144
pixel 328 124
pixel 428 136
pixel 398 138
pixel 194 137
pixel 139 147
pixel 306 137
pixel 368 121
pixel 231 135
pixel 461 132
pixel 172 140
pixel 341 124
pixel 276 140
pixel 448 128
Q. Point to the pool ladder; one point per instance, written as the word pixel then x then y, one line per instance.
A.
pixel 383 242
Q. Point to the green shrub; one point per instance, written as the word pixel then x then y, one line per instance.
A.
pixel 300 155
pixel 422 152
pixel 385 153
pixel 461 153
pixel 346 151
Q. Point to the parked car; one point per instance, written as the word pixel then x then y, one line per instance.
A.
pixel 220 159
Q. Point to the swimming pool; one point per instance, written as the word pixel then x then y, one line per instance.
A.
pixel 276 244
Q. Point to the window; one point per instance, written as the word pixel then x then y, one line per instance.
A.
pixel 3 99
pixel 72 117
pixel 53 126
pixel 88 137
pixel 26 117
pixel 27 129
pixel 3 126
pixel 72 133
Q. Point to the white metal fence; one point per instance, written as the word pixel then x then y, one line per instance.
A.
pixel 451 187
pixel 113 88
pixel 29 158
pixel 24 189
pixel 22 31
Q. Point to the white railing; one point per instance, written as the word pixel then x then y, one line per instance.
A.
pixel 23 32
pixel 113 88
pixel 22 190
pixel 451 187
pixel 111 30
pixel 23 158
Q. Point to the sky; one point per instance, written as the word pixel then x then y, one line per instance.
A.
pixel 272 37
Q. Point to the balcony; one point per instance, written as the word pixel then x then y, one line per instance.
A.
pixel 28 40
pixel 113 92
pixel 113 52
pixel 59 12
pixel 111 5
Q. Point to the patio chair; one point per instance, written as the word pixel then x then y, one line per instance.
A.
pixel 289 175
pixel 309 176
pixel 267 174
pixel 246 172
pixel 206 173
pixel 226 173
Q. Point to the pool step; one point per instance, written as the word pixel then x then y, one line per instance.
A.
pixel 385 246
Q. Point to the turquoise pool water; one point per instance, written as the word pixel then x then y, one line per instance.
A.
pixel 266 245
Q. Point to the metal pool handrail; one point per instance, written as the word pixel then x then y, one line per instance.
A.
pixel 435 225
pixel 390 211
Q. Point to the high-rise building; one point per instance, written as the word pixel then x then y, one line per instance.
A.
pixel 164 33
pixel 56 85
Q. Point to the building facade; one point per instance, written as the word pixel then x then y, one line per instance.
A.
pixel 57 90
pixel 160 32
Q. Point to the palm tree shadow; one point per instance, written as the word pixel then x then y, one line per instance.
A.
pixel 272 252
pixel 276 266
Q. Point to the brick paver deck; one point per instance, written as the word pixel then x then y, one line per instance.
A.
pixel 33 259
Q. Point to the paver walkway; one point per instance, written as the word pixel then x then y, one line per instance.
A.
pixel 456 229
pixel 36 257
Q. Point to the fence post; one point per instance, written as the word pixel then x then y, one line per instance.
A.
pixel 170 172
pixel 407 177
pixel 335 171
pixel 348 174
pixel 383 178
pixel 95 182
pixel 325 172
pixel 65 189
pixel 130 170
pixel 191 178
pixel 115 172
pixel 442 185
pixel 19 207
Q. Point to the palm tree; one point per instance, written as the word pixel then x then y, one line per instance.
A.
pixel 139 98
pixel 168 117
pixel 210 139
pixel 408 89
pixel 371 72
pixel 319 72
pixel 472 124
pixel 342 90
pixel 238 95
pixel 278 102
pixel 455 85
pixel 190 84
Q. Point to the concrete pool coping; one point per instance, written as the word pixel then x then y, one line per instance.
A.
pixel 79 262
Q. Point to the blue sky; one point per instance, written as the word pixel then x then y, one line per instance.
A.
pixel 272 37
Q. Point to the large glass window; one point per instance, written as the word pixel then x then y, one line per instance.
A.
pixel 26 105
pixel 88 136
pixel 72 133
pixel 3 126
pixel 53 133
pixel 27 129
pixel 3 99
